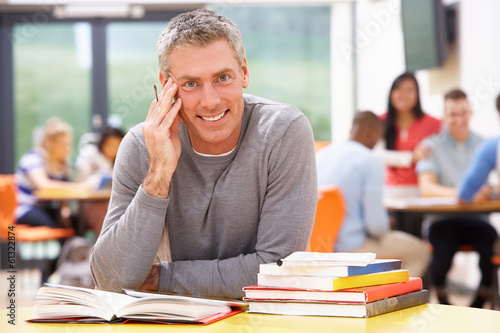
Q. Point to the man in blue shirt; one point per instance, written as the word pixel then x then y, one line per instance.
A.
pixel 354 168
pixel 439 175
pixel 485 159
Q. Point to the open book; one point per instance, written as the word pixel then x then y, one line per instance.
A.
pixel 66 304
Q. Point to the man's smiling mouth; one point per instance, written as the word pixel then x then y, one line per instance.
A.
pixel 215 118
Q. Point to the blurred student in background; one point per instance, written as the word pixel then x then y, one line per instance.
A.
pixel 98 159
pixel 406 125
pixel 439 175
pixel 46 167
pixel 474 185
pixel 95 164
pixel 359 174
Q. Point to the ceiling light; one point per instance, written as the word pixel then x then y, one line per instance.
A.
pixel 97 10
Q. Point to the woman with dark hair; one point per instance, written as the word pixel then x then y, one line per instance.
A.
pixel 406 125
pixel 98 159
pixel 95 165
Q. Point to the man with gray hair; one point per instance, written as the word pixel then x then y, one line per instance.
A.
pixel 214 182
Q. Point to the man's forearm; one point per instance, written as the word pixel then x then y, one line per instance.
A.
pixel 157 182
pixel 437 190
pixel 124 252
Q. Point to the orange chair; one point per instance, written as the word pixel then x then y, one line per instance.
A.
pixel 25 235
pixel 329 216
pixel 318 145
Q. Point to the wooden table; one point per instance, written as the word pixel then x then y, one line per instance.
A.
pixel 428 318
pixel 410 212
pixel 72 194
pixel 440 205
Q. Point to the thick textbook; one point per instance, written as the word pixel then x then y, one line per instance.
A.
pixel 332 283
pixel 66 304
pixel 304 258
pixel 377 265
pixel 353 295
pixel 362 310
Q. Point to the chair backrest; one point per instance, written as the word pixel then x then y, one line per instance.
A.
pixel 23 233
pixel 7 204
pixel 329 216
pixel 318 145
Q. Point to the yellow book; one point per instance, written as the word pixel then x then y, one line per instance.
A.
pixel 331 282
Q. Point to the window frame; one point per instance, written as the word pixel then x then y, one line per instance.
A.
pixel 99 80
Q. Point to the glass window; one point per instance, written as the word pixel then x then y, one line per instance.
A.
pixel 288 53
pixel 52 76
pixel 132 70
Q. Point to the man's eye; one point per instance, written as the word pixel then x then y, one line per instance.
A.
pixel 224 78
pixel 190 84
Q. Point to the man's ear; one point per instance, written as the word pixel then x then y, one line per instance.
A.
pixel 245 73
pixel 163 79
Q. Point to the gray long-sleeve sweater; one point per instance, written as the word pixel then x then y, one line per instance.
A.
pixel 225 215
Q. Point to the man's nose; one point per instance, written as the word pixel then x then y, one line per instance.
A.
pixel 210 97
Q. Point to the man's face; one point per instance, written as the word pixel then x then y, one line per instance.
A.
pixel 457 114
pixel 210 85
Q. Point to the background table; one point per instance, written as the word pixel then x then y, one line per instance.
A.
pixel 440 205
pixel 92 205
pixel 72 194
pixel 410 212
pixel 426 318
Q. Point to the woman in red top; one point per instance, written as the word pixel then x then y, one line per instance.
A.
pixel 406 125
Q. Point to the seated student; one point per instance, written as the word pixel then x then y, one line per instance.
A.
pixel 485 159
pixel 439 175
pixel 405 126
pixel 359 174
pixel 98 159
pixel 95 164
pixel 45 167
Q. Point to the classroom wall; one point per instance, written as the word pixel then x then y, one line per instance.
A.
pixel 472 62
pixel 480 61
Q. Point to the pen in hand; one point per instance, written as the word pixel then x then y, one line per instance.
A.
pixel 156 92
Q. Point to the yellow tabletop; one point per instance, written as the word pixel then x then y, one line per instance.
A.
pixel 426 318
pixel 72 194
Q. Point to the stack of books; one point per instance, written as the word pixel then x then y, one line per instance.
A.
pixel 334 284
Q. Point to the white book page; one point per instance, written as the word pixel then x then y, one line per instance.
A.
pixel 328 259
pixel 227 302
pixel 114 300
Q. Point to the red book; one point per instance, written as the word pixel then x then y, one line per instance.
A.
pixel 353 295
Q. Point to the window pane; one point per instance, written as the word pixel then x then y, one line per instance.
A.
pixel 51 79
pixel 132 69
pixel 288 53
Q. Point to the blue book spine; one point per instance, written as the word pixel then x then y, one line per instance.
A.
pixel 374 267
